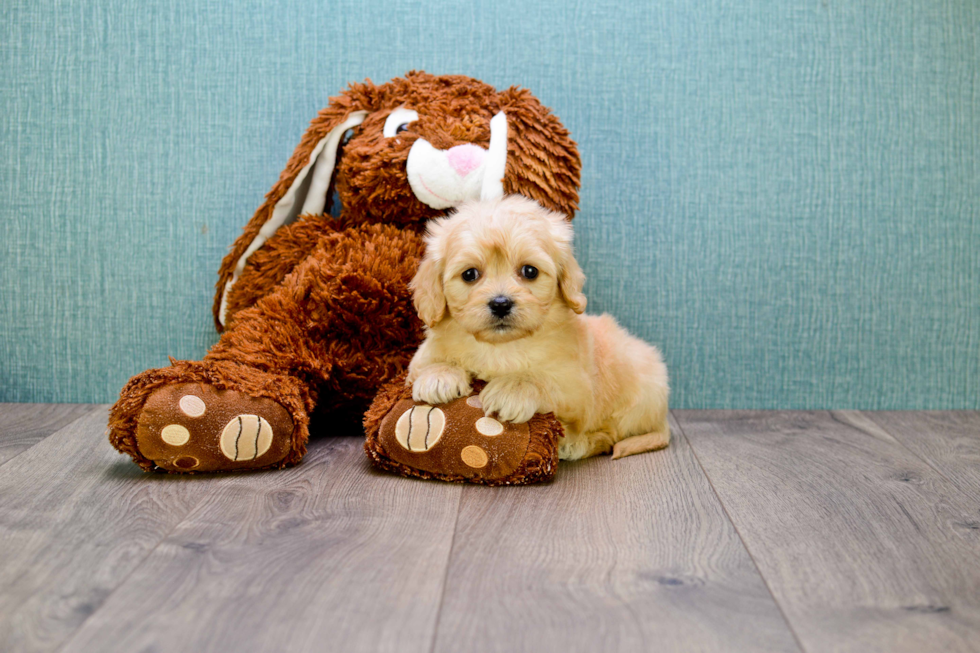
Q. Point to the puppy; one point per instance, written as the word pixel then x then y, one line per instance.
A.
pixel 501 296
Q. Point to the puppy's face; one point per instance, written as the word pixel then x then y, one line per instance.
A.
pixel 500 281
pixel 498 268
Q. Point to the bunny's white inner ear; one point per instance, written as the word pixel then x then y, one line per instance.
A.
pixel 323 162
pixel 496 161
pixel 306 196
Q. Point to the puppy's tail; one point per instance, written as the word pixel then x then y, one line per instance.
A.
pixel 640 443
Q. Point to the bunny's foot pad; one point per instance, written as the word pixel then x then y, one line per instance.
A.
pixel 195 427
pixel 457 441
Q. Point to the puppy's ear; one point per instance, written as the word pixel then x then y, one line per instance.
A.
pixel 427 293
pixel 571 279
pixel 570 282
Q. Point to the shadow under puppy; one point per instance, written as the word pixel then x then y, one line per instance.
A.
pixel 501 296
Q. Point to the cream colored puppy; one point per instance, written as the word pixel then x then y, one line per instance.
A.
pixel 501 296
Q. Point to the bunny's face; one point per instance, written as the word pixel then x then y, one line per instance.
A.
pixel 441 145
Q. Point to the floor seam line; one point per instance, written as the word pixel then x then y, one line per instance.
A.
pixel 867 413
pixel 95 407
pixel 445 576
pixel 738 533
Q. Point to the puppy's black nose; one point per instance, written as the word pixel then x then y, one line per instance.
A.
pixel 500 306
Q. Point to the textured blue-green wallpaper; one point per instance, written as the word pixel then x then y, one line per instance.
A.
pixel 785 196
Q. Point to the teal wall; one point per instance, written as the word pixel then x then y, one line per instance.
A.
pixel 785 196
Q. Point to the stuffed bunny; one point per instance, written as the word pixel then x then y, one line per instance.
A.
pixel 313 301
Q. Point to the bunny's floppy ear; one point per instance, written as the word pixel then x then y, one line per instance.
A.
pixel 302 187
pixel 542 160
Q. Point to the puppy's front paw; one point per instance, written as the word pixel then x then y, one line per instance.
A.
pixel 440 384
pixel 511 399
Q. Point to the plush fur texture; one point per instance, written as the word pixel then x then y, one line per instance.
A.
pixel 321 317
pixel 501 295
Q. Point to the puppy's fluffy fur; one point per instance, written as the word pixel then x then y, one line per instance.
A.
pixel 519 326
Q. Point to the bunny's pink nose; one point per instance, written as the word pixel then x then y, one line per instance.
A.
pixel 465 158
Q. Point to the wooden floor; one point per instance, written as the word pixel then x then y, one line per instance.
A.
pixel 754 531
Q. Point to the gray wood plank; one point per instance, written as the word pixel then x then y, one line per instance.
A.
pixel 948 440
pixel 864 546
pixel 328 556
pixel 24 425
pixel 628 555
pixel 75 519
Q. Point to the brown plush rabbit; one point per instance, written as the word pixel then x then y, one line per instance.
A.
pixel 315 310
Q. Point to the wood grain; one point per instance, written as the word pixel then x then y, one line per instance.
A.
pixel 627 555
pixel 75 519
pixel 865 527
pixel 949 441
pixel 864 545
pixel 330 555
pixel 24 425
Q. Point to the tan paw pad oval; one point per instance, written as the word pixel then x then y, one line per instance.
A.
pixel 489 426
pixel 192 405
pixel 175 434
pixel 420 427
pixel 474 456
pixel 246 437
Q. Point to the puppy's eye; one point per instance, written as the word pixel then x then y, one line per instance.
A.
pixel 401 128
pixel 529 272
pixel 471 275
pixel 349 134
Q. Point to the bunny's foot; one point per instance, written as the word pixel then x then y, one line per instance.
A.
pixel 198 417
pixel 457 441
pixel 196 427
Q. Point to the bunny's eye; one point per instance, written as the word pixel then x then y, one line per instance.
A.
pixel 471 275
pixel 398 121
pixel 529 272
pixel 349 134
